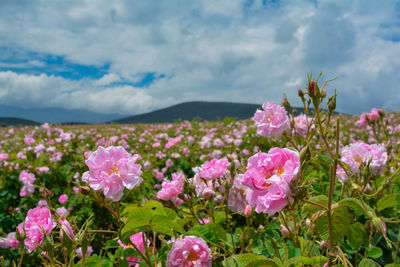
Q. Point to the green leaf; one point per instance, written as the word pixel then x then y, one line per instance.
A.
pixel 356 236
pixel 134 224
pixel 306 260
pixel 310 209
pixel 387 202
pixel 209 235
pixel 262 263
pixel 95 261
pixel 325 159
pixel 352 203
pixel 168 222
pixel 374 252
pixel 359 206
pixel 340 224
pixel 242 260
pixel 218 230
pixel 368 263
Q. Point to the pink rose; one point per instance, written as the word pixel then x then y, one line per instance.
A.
pixel 111 169
pixel 268 177
pixel 271 121
pixel 37 221
pixel 61 211
pixel 3 156
pixel 214 169
pixel 359 153
pixel 237 195
pixel 302 124
pixel 171 189
pixel 89 252
pixel 66 227
pixel 189 251
pixel 63 199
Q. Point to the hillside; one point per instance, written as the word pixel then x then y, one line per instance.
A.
pixel 195 110
pixel 56 115
pixel 11 121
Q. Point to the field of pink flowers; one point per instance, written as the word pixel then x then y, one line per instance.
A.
pixel 316 189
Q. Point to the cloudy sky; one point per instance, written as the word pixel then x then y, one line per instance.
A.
pixel 130 57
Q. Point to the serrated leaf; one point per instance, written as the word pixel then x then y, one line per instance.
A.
pixel 137 213
pixel 207 233
pixel 368 263
pixel 374 252
pixel 95 261
pixel 357 236
pixel 387 202
pixel 134 224
pixel 310 209
pixel 340 224
pixel 262 263
pixel 352 203
pixel 325 159
pixel 243 259
pixel 306 260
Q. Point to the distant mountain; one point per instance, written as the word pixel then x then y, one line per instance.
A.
pixel 200 110
pixel 56 115
pixel 10 121
pixel 210 111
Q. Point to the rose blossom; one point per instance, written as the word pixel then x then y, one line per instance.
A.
pixel 112 169
pixel 214 169
pixel 237 195
pixel 26 177
pixel 171 189
pixel 61 211
pixel 359 153
pixel 268 177
pixel 302 123
pixel 37 221
pixel 89 252
pixel 67 228
pixel 136 239
pixel 63 199
pixel 189 251
pixel 9 242
pixel 271 121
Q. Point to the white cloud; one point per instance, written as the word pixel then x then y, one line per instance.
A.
pixel 107 79
pixel 208 50
pixel 46 91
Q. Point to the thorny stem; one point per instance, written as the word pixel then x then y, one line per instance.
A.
pixel 22 257
pixel 315 203
pixel 103 231
pixel 322 132
pixel 332 179
pixel 397 248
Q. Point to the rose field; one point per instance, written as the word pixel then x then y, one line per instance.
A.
pixel 279 189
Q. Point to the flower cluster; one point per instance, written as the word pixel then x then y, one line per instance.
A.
pixel 112 169
pixel 359 153
pixel 27 179
pixel 371 116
